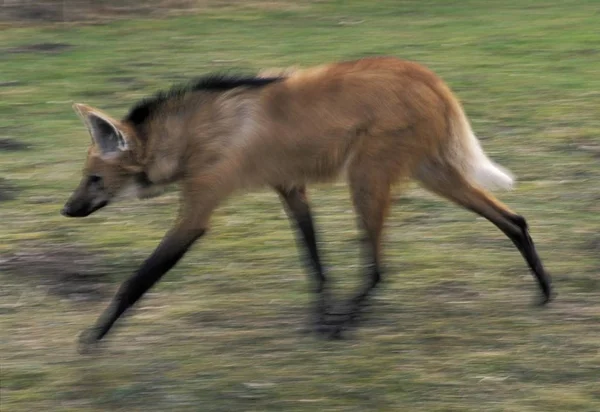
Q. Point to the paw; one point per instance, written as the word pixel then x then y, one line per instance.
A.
pixel 336 332
pixel 338 325
pixel 546 298
pixel 87 343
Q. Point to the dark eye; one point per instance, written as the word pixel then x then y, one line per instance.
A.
pixel 94 179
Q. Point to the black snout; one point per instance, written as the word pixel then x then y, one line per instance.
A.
pixel 83 210
pixel 80 211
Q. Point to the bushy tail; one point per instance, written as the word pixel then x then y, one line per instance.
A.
pixel 473 160
pixel 493 176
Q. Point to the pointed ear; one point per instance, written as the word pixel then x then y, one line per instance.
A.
pixel 106 133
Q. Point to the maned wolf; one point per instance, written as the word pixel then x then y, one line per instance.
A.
pixel 376 121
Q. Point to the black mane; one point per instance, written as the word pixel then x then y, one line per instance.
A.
pixel 212 82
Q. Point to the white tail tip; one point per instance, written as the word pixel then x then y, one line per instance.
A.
pixel 492 176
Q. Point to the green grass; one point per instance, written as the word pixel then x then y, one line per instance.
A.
pixel 452 327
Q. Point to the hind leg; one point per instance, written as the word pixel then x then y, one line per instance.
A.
pixel 452 185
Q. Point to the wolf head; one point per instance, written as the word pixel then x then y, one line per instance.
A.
pixel 112 169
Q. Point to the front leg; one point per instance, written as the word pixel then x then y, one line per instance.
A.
pixel 296 204
pixel 199 199
pixel 170 250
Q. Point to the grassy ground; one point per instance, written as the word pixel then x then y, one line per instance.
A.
pixel 452 328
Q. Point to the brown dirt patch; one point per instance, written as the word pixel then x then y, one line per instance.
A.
pixel 7 190
pixel 8 144
pixel 48 48
pixel 65 271
pixel 61 11
pixel 10 83
pixel 53 11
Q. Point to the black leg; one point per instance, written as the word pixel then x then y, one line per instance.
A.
pixel 297 206
pixel 356 306
pixel 524 243
pixel 171 249
pixel 456 188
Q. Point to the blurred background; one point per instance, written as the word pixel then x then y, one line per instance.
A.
pixel 452 327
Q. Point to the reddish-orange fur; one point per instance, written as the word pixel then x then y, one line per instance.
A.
pixel 381 116
pixel 375 121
